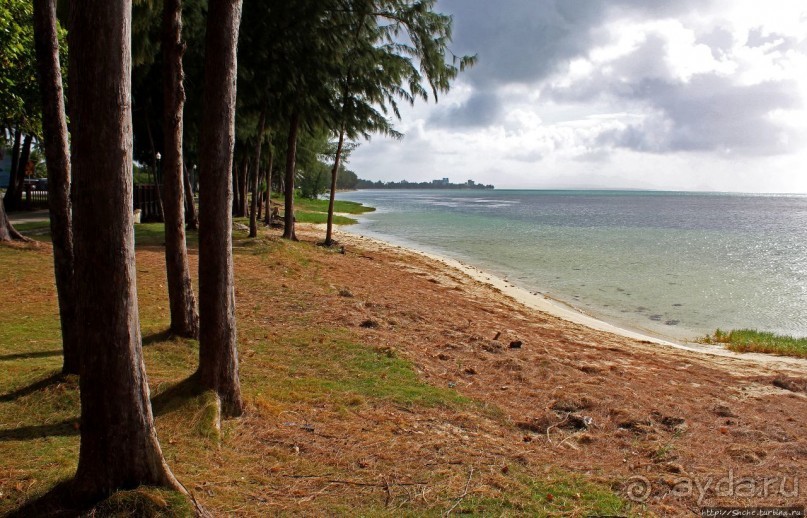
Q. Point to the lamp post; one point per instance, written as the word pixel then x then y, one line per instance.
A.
pixel 157 179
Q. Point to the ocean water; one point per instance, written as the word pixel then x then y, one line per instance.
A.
pixel 675 265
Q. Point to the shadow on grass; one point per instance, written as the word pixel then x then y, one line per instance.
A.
pixel 163 403
pixel 66 428
pixel 53 379
pixel 31 355
pixel 175 397
pixel 154 338
pixel 55 503
pixel 61 502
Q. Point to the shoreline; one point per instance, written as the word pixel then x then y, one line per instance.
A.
pixel 556 308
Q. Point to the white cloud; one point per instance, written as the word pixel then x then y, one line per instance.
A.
pixel 670 95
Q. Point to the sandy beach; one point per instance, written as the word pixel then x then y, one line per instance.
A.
pixel 556 308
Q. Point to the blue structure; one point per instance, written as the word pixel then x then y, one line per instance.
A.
pixel 5 168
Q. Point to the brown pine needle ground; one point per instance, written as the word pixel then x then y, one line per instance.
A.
pixel 375 388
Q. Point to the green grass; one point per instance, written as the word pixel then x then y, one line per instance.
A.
pixel 143 502
pixel 316 211
pixel 322 218
pixel 556 494
pixel 34 226
pixel 151 502
pixel 750 340
pixel 36 230
pixel 39 408
pixel 146 234
pixel 326 365
pixel 341 206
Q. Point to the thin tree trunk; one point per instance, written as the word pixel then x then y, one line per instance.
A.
pixel 16 181
pixel 7 230
pixel 119 446
pixel 268 210
pixel 191 219
pixel 218 354
pixel 239 193
pixel 25 157
pixel 57 155
pixel 243 198
pixel 184 317
pixel 291 159
pixel 236 182
pixel 260 198
pixel 15 156
pixel 154 166
pixel 334 174
pixel 253 215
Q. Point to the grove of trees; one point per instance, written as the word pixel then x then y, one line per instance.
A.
pixel 254 97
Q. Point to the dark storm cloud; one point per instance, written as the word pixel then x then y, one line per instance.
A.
pixel 481 109
pixel 523 41
pixel 520 40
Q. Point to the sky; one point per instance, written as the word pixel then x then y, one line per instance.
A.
pixel 694 95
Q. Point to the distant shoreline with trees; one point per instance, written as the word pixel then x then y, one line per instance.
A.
pixel 405 184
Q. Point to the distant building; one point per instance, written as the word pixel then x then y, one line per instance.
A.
pixel 471 183
pixel 443 181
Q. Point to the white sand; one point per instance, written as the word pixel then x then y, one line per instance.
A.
pixel 546 305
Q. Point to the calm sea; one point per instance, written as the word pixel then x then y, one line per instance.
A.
pixel 677 265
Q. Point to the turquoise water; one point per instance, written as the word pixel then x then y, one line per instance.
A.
pixel 677 265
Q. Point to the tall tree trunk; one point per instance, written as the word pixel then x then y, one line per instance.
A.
pixel 7 230
pixel 119 447
pixel 236 182
pixel 184 318
pixel 57 155
pixel 25 157
pixel 267 211
pixel 191 220
pixel 16 181
pixel 260 199
pixel 334 175
pixel 218 354
pixel 15 157
pixel 253 215
pixel 291 160
pixel 243 198
pixel 154 165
